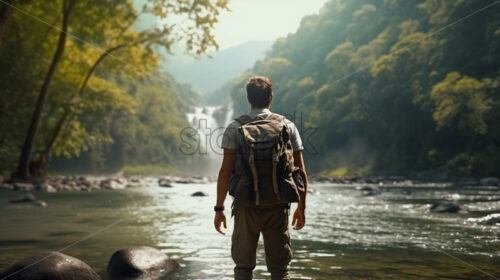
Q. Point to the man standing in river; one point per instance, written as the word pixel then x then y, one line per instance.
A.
pixel 263 169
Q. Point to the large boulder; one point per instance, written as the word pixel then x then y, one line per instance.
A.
pixel 444 207
pixel 50 265
pixel 143 261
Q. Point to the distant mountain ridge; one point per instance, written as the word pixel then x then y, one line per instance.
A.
pixel 209 74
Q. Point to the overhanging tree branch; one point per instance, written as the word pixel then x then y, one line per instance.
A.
pixel 23 168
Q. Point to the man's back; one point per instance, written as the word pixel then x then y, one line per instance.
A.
pixel 271 219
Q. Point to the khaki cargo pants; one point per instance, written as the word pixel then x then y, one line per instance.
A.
pixel 249 222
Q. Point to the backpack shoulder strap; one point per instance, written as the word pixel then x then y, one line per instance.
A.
pixel 244 119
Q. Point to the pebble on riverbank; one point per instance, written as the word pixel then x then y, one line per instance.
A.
pixel 81 183
pixel 397 180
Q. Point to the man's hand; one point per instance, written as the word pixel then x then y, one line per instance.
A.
pixel 299 219
pixel 226 169
pixel 220 218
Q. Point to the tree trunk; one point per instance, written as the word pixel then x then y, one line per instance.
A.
pixel 42 162
pixel 40 165
pixel 4 15
pixel 23 168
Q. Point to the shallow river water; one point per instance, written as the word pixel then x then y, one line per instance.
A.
pixel 347 235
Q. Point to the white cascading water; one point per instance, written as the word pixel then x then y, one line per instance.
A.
pixel 210 123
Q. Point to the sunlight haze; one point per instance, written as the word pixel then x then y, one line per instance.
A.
pixel 244 34
pixel 262 20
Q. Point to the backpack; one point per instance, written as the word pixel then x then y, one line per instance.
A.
pixel 264 171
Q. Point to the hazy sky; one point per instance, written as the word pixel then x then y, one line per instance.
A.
pixel 262 20
pixel 248 20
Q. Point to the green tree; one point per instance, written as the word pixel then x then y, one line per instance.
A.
pixel 393 87
pixel 23 168
pixel 111 36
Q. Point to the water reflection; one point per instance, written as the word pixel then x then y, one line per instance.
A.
pixel 348 235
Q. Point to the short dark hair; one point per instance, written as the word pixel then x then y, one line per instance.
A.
pixel 259 91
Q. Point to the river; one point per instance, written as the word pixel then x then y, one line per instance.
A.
pixel 347 235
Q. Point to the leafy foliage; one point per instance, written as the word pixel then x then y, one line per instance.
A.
pixel 393 87
pixel 108 103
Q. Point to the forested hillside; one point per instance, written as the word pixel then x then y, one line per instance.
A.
pixel 145 139
pixel 79 80
pixel 393 87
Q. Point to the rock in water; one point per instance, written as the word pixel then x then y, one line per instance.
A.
pixel 490 181
pixel 50 265
pixel 6 186
pixel 444 207
pixel 45 187
pixel 164 183
pixel 369 191
pixel 200 194
pixel 140 261
pixel 29 197
pixel 111 184
pixel 19 186
pixel 40 203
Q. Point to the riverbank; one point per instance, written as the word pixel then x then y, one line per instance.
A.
pixel 116 182
pixel 91 183
pixel 403 181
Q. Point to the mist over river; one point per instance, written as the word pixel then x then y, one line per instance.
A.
pixel 347 235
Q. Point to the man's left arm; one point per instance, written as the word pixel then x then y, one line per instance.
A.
pixel 299 216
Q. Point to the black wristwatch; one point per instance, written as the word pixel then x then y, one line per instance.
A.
pixel 218 209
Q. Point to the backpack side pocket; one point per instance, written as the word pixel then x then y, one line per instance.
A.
pixel 233 182
pixel 288 190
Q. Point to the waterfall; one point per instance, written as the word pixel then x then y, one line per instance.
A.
pixel 210 123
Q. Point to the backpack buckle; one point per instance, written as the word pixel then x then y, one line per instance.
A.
pixel 275 157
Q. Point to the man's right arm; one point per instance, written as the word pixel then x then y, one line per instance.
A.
pixel 222 184
pixel 224 175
